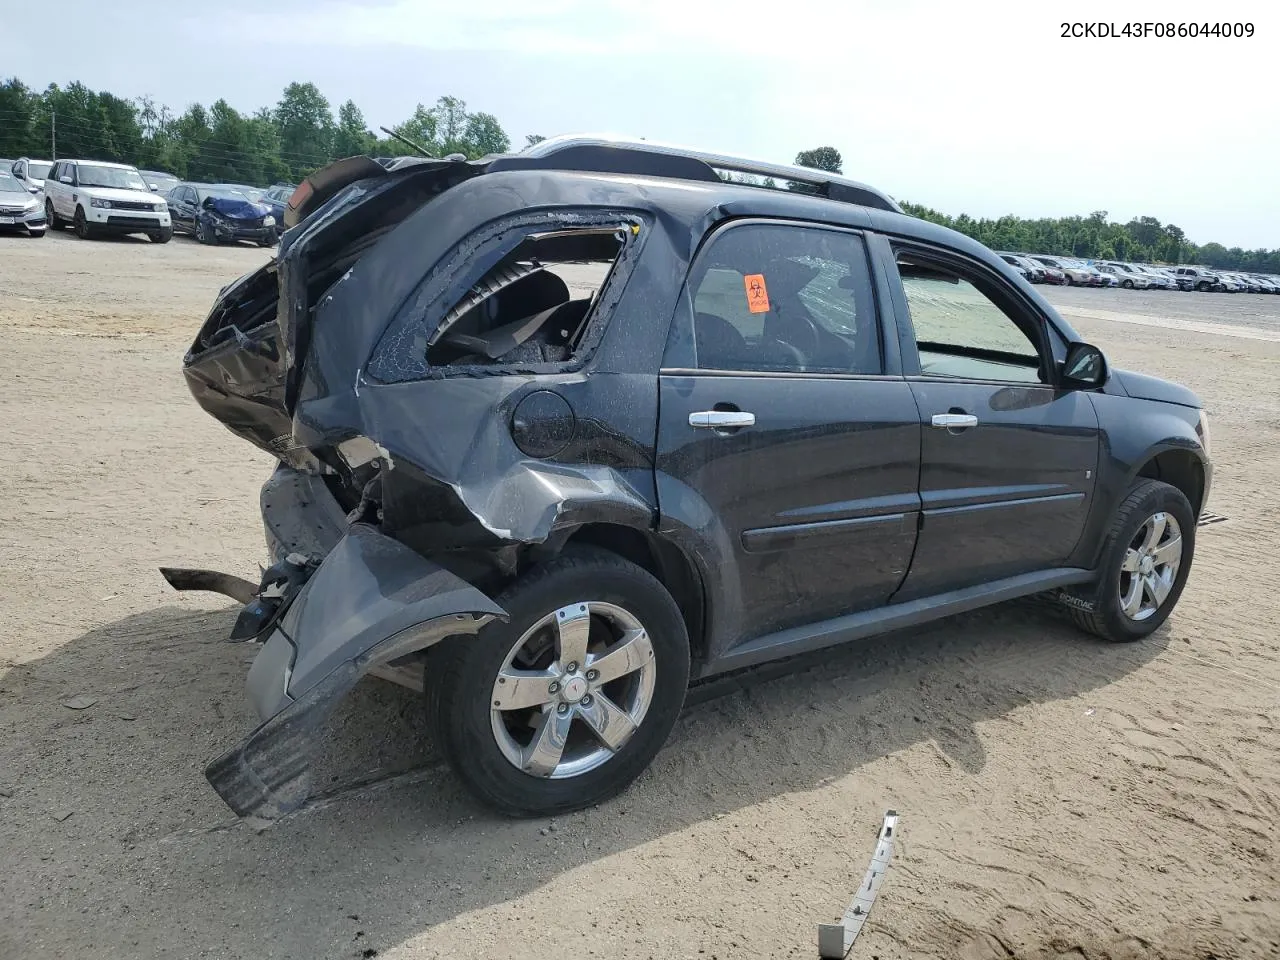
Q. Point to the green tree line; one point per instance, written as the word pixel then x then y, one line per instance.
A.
pixel 1142 239
pixel 219 143
pixel 303 132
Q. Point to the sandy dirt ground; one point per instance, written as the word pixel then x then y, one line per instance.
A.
pixel 1060 797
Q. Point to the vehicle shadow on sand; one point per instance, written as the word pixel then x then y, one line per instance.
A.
pixel 106 818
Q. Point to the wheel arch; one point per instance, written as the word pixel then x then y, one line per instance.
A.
pixel 1178 459
pixel 666 561
pixel 1179 467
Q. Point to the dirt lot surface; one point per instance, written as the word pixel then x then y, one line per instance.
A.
pixel 1059 797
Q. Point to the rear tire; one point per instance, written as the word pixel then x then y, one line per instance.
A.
pixel 478 737
pixel 1099 608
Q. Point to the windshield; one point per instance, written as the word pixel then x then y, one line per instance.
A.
pixel 163 181
pixel 10 183
pixel 37 170
pixel 122 178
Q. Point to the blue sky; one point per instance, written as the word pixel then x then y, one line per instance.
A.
pixel 977 108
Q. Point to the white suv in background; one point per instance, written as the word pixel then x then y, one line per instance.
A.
pixel 104 198
pixel 31 172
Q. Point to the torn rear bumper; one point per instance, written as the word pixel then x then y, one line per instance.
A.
pixel 372 601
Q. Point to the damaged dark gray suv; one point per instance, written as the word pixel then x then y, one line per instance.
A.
pixel 564 431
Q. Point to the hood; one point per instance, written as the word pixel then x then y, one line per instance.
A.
pixel 116 193
pixel 1143 387
pixel 20 198
pixel 237 209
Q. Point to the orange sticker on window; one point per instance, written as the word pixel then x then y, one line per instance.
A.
pixel 757 293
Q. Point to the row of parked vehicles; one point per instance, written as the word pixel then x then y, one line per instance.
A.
pixel 1042 268
pixel 97 198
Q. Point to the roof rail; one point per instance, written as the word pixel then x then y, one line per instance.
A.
pixel 602 153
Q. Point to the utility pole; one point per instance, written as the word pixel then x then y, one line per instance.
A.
pixel 53 134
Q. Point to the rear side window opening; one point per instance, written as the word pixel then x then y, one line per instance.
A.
pixel 533 306
pixel 524 299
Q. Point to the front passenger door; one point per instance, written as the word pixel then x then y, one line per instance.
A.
pixel 1007 458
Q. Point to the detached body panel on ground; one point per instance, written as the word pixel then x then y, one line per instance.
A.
pixel 762 421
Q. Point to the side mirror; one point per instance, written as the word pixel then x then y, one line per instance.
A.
pixel 153 187
pixel 1085 367
pixel 64 179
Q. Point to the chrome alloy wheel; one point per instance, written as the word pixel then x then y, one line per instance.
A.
pixel 573 690
pixel 1150 566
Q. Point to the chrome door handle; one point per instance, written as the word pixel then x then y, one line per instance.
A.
pixel 949 421
pixel 722 419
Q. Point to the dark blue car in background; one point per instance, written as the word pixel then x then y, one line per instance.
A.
pixel 214 213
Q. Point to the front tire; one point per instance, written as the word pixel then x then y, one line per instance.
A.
pixel 81 225
pixel 1128 284
pixel 164 235
pixel 202 233
pixel 55 222
pixel 1202 286
pixel 568 702
pixel 1145 562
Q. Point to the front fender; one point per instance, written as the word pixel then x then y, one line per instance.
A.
pixel 1132 432
pixel 371 602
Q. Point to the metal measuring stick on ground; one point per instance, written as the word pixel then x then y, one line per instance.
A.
pixel 835 940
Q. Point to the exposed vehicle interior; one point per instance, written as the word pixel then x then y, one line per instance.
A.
pixel 534 305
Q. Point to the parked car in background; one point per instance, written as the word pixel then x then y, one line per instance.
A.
pixel 277 197
pixel 1268 284
pixel 1160 279
pixel 1077 273
pixel 1246 283
pixel 1034 272
pixel 1229 283
pixel 100 198
pixel 1051 275
pixel 31 173
pixel 217 213
pixel 1108 279
pixel 1126 276
pixel 1198 278
pixel 19 209
pixel 159 181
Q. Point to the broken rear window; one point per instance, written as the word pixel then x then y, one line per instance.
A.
pixel 534 309
pixel 534 305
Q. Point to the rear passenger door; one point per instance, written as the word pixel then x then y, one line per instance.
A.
pixel 1007 457
pixel 788 443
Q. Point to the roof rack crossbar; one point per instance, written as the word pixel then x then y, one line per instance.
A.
pixel 609 154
